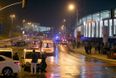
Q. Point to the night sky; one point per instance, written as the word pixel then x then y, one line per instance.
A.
pixel 52 12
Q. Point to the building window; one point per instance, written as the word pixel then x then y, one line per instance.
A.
pixel 89 30
pixel 96 17
pixel 93 29
pixel 97 35
pixel 115 13
pixel 84 19
pixel 114 26
pixel 110 27
pixel 86 30
pixel 89 17
pixel 105 22
pixel 105 14
pixel 80 22
pixel 101 25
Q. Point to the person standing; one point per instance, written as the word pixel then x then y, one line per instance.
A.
pixel 43 62
pixel 15 56
pixel 89 47
pixel 34 62
pixel 86 47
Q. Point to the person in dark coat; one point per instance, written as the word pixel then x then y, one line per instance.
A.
pixel 86 47
pixel 43 62
pixel 15 56
pixel 89 47
pixel 34 62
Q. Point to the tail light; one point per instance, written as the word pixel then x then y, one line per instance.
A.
pixel 17 63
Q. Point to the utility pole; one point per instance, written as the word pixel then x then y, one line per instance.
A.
pixel 13 4
pixel 16 3
pixel 23 3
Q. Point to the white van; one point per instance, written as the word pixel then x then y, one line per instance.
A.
pixel 47 46
pixel 8 52
pixel 27 56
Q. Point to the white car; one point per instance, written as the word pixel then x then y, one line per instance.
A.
pixel 8 66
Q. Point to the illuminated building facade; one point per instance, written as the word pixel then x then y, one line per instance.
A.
pixel 92 25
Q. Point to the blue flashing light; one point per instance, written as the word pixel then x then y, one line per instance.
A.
pixel 57 37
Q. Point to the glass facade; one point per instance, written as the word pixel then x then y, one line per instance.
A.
pixel 110 27
pixel 93 29
pixel 114 26
pixel 115 13
pixel 93 24
pixel 105 14
pixel 101 26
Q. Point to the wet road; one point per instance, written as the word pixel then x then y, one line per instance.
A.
pixel 68 65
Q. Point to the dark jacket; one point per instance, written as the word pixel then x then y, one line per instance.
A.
pixel 16 57
pixel 34 57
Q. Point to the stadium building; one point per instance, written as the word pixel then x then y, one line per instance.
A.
pixel 97 25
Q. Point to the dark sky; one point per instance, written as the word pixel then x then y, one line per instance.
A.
pixel 52 12
pixel 48 12
pixel 92 6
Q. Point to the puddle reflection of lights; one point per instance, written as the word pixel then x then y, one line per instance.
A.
pixel 62 48
pixel 52 75
pixel 56 55
pixel 51 59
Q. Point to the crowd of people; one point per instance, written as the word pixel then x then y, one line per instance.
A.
pixel 99 47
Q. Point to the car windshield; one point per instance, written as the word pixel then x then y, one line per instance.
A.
pixel 7 54
pixel 29 55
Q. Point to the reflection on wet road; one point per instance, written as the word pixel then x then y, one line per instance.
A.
pixel 64 65
pixel 68 65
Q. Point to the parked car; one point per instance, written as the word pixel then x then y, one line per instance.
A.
pixel 9 66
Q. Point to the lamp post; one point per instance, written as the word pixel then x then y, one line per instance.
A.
pixel 72 8
pixel 16 3
pixel 64 27
pixel 12 16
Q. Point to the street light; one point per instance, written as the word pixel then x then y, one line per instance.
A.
pixel 71 7
pixel 12 16
pixel 62 27
pixel 29 23
pixel 23 3
pixel 64 20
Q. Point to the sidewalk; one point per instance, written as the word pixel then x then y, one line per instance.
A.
pixel 97 56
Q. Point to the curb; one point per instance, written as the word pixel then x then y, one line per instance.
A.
pixel 103 59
